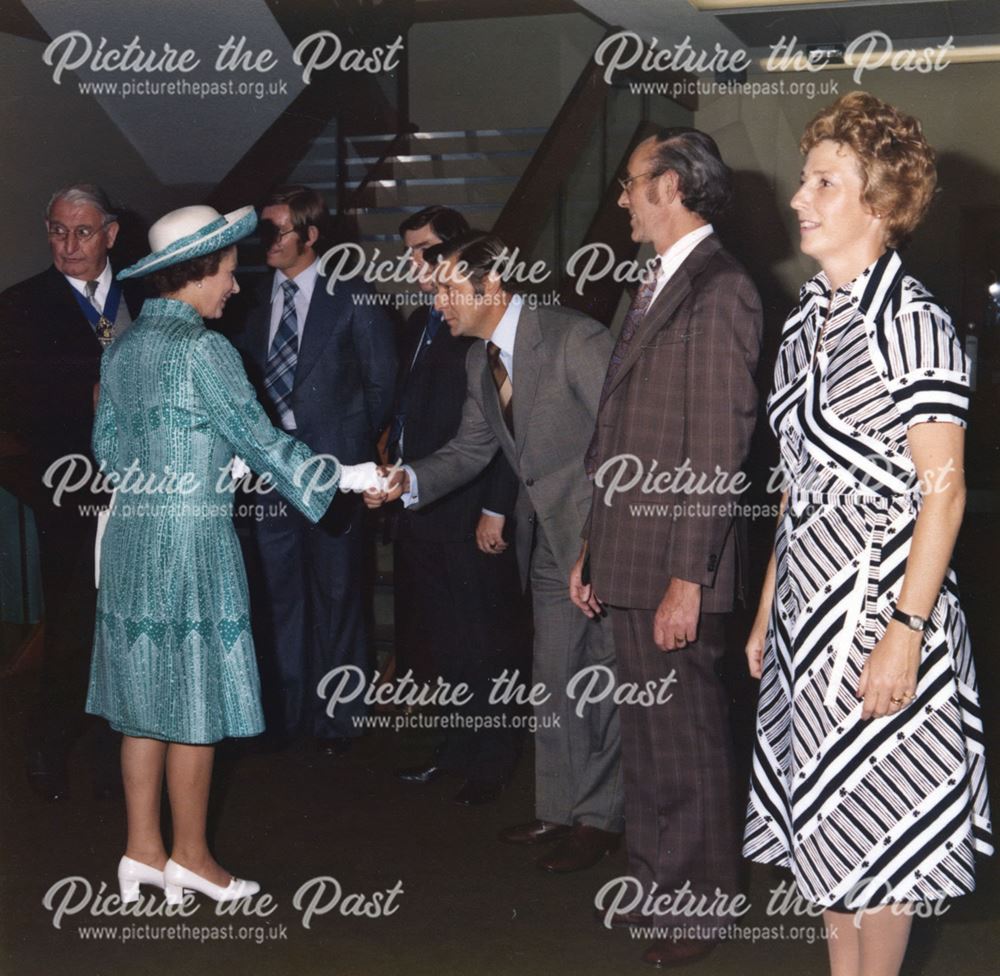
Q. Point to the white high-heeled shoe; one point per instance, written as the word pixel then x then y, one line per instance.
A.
pixel 177 878
pixel 131 874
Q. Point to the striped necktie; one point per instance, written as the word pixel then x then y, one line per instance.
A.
pixel 505 389
pixel 634 316
pixel 284 354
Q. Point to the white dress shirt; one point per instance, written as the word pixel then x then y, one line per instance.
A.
pixel 103 285
pixel 503 336
pixel 675 255
pixel 306 280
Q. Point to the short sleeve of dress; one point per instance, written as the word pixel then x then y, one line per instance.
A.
pixel 928 370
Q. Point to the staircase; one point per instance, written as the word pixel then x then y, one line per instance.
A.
pixel 473 171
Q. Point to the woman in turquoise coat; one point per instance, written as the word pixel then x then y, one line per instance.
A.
pixel 173 666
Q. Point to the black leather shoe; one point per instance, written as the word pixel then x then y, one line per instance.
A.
pixel 473 794
pixel 337 746
pixel 420 774
pixel 623 920
pixel 47 776
pixel 673 955
pixel 536 832
pixel 581 849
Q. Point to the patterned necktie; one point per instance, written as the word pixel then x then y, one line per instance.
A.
pixel 280 372
pixel 104 329
pixel 505 389
pixel 638 308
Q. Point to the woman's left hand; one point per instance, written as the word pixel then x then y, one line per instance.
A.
pixel 889 678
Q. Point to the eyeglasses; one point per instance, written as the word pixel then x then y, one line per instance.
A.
pixel 626 184
pixel 271 234
pixel 83 234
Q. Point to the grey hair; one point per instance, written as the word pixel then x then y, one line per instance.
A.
pixel 84 193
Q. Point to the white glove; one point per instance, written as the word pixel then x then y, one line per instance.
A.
pixel 361 477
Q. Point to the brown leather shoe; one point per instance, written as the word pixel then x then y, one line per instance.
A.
pixel 536 832
pixel 583 848
pixel 671 955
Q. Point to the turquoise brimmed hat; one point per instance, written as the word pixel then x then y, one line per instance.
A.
pixel 189 233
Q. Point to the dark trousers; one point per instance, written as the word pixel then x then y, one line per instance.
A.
pixel 309 615
pixel 681 824
pixel 467 608
pixel 66 549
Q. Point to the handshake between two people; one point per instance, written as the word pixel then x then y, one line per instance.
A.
pixel 378 483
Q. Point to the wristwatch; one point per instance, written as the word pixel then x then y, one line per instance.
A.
pixel 910 619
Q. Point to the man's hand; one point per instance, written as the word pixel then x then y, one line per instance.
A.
pixel 398 482
pixel 582 594
pixel 489 534
pixel 676 620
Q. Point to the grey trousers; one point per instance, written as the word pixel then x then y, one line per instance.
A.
pixel 578 777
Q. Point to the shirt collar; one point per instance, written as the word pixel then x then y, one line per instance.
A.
pixel 674 256
pixel 305 279
pixel 506 331
pixel 103 280
pixel 860 291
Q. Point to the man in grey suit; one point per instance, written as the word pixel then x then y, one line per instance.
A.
pixel 533 389
pixel 679 401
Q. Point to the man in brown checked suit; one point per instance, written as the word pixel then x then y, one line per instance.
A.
pixel 679 397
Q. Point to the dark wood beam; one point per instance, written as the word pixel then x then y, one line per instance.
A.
pixel 357 101
pixel 15 19
pixel 523 217
pixel 610 226
pixel 427 11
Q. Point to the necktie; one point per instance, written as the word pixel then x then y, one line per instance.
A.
pixel 280 372
pixel 638 308
pixel 104 329
pixel 505 389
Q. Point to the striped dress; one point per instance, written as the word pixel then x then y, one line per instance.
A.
pixel 893 809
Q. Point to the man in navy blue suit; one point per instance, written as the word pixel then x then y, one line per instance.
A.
pixel 324 365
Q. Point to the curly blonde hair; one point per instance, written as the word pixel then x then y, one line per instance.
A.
pixel 897 164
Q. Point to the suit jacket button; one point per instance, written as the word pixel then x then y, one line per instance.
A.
pixel 711 563
pixel 529 481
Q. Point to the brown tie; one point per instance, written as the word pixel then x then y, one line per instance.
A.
pixel 505 389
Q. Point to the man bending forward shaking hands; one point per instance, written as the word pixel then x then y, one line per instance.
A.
pixel 533 387
pixel 679 392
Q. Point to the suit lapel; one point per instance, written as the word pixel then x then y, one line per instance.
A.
pixel 257 336
pixel 660 314
pixel 527 365
pixel 69 312
pixel 321 319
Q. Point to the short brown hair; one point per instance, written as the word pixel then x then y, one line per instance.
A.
pixel 176 276
pixel 306 207
pixel 897 164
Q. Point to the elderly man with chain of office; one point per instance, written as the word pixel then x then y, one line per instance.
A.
pixel 54 327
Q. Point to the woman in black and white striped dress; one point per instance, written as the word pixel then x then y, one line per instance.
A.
pixel 868 779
